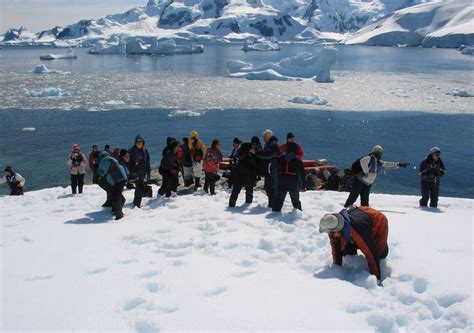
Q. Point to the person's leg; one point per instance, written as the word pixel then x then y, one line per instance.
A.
pixel 116 195
pixel 280 195
pixel 188 176
pixel 212 184
pixel 80 182
pixel 425 193
pixel 295 197
pixel 364 195
pixel 235 194
pixel 207 182
pixel 74 184
pixel 269 186
pixel 434 192
pixel 355 192
pixel 197 170
pixel 249 191
pixel 139 187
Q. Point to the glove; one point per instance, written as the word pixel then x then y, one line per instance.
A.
pixel 403 165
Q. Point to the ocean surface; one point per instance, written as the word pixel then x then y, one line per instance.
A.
pixel 340 136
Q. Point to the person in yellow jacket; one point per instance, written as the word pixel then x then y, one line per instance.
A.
pixel 197 150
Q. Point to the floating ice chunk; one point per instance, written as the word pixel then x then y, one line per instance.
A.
pixel 461 93
pixel 42 69
pixel 68 55
pixel 313 99
pixel 170 47
pixel 304 65
pixel 48 92
pixel 184 113
pixel 469 50
pixel 261 45
pixel 29 129
pixel 114 102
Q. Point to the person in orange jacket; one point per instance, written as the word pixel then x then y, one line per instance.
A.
pixel 358 228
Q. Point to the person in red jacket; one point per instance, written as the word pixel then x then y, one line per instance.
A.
pixel 212 158
pixel 94 164
pixel 290 137
pixel 358 228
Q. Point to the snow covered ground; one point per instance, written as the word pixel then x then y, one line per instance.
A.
pixel 190 263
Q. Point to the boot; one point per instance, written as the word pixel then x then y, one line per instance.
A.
pixel 197 183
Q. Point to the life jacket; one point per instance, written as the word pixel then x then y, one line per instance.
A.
pixel 211 160
pixel 196 152
pixel 286 166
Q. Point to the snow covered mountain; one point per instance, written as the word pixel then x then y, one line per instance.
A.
pixel 223 20
pixel 439 24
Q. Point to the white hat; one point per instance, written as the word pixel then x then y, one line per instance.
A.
pixel 435 150
pixel 377 149
pixel 331 222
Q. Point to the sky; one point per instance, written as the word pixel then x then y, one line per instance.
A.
pixel 38 15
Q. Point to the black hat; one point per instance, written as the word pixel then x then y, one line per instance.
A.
pixel 237 141
pixel 8 168
pixel 290 136
pixel 255 139
pixel 123 152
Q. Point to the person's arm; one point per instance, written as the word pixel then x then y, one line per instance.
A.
pixel 69 160
pixel 364 164
pixel 104 167
pixel 442 169
pixel 391 165
pixel 300 152
pixel 148 166
pixel 91 161
pixel 20 179
pixel 269 152
pixel 83 162
pixel 423 168
pixel 3 180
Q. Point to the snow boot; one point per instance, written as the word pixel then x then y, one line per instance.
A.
pixel 197 183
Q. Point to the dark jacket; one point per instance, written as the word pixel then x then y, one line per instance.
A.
pixel 124 165
pixel 431 170
pixel 245 165
pixel 269 154
pixel 291 167
pixel 139 162
pixel 186 160
pixel 169 161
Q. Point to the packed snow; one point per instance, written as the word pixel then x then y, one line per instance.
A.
pixel 190 263
pixel 68 55
pixel 313 99
pixel 261 45
pixel 42 69
pixel 305 65
pixel 184 113
pixel 48 92
pixel 437 24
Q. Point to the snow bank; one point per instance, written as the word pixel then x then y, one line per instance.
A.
pixel 48 92
pixel 184 113
pixel 68 55
pixel 313 99
pixel 436 24
pixel 29 129
pixel 304 65
pixel 261 45
pixel 176 263
pixel 42 69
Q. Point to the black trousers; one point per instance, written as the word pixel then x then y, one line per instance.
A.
pixel 117 198
pixel 429 191
pixel 139 188
pixel 210 182
pixel 237 186
pixel 287 184
pixel 95 177
pixel 77 182
pixel 16 190
pixel 358 188
pixel 102 182
pixel 269 187
pixel 167 183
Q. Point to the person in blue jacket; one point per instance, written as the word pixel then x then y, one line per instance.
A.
pixel 139 167
pixel 113 175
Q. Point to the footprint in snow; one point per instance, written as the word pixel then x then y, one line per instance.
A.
pixel 40 277
pixel 215 292
pixel 420 285
pixel 150 274
pixel 97 271
pixel 133 304
pixel 153 287
pixel 146 326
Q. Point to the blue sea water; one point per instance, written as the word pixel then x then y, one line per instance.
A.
pixel 340 137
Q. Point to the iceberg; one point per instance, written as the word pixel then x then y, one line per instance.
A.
pixel 184 113
pixel 29 129
pixel 313 99
pixel 48 92
pixel 164 47
pixel 461 93
pixel 68 55
pixel 261 45
pixel 42 69
pixel 468 50
pixel 304 65
pixel 114 47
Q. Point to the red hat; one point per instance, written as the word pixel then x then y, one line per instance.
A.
pixel 76 147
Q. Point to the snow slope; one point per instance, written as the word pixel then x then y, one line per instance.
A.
pixel 439 24
pixel 190 263
pixel 221 20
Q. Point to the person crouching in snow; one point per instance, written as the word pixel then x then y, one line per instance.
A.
pixel 196 149
pixel 212 159
pixel 290 177
pixel 431 171
pixel 76 161
pixel 14 181
pixel 169 169
pixel 358 228
pixel 114 175
pixel 365 171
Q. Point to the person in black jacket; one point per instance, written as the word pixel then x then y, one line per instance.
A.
pixel 243 174
pixel 139 168
pixel 169 169
pixel 269 155
pixel 431 171
pixel 291 177
pixel 187 163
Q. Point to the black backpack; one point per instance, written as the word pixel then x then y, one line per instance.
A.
pixel 356 168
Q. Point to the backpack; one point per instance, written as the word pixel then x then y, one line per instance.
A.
pixel 356 168
pixel 286 164
pixel 210 164
pixel 196 153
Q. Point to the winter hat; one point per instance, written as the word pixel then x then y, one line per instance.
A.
pixel 76 147
pixel 255 139
pixel 435 150
pixel 194 135
pixel 123 152
pixel 237 141
pixel 139 138
pixel 9 169
pixel 331 222
pixel 290 136
pixel 377 150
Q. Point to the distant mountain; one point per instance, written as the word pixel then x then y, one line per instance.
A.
pixel 440 24
pixel 223 21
